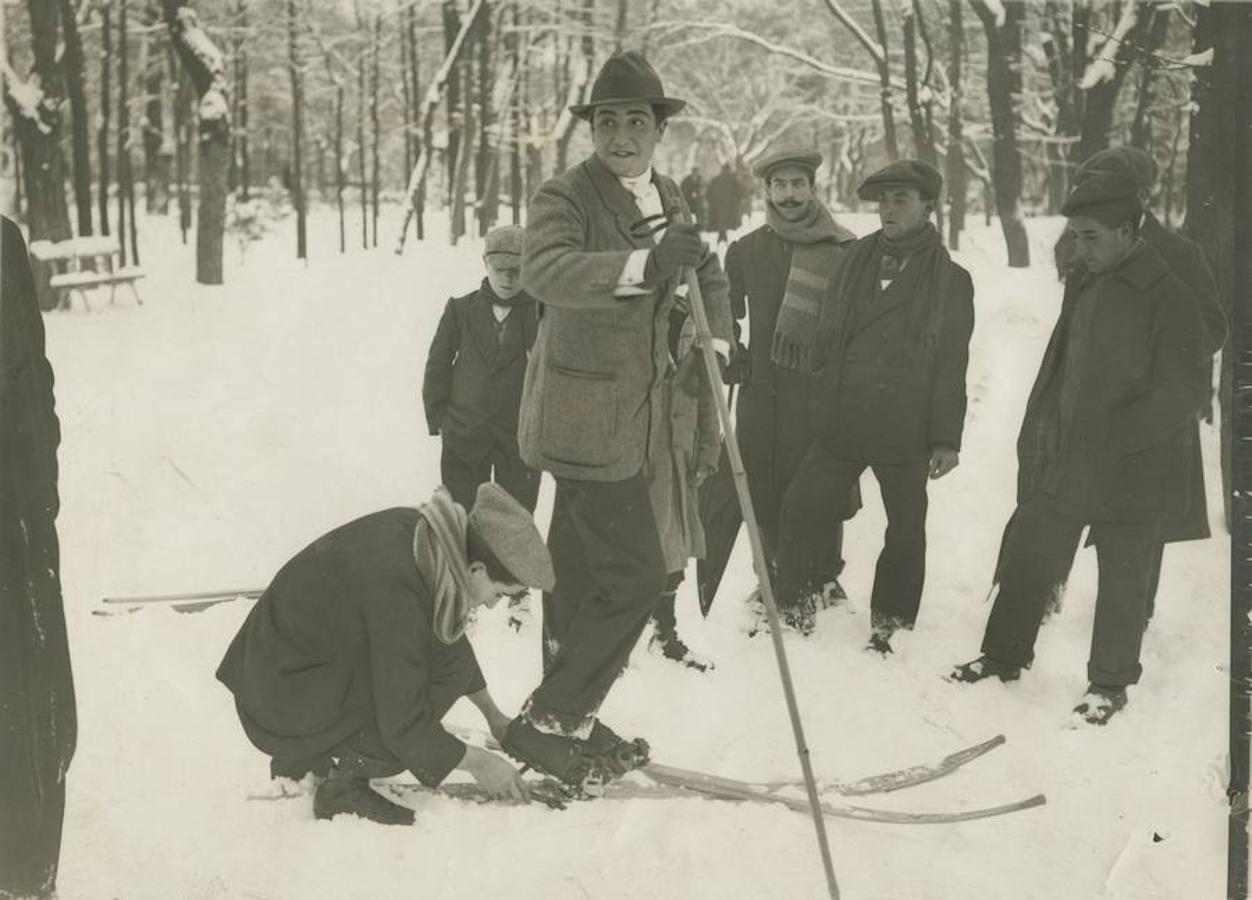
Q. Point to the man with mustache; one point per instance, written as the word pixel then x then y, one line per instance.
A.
pixel 604 254
pixel 892 349
pixel 778 274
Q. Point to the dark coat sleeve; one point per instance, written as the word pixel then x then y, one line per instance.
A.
pixel 1204 287
pixel 1176 390
pixel 738 289
pixel 402 668
pixel 437 382
pixel 947 397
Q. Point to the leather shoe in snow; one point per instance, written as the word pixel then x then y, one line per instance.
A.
pixel 984 667
pixel 563 758
pixel 344 793
pixel 1101 703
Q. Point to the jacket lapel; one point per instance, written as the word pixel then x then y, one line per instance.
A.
pixel 885 300
pixel 483 328
pixel 617 202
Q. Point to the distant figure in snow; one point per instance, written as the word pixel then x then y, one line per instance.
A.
pixel 38 722
pixel 357 649
pixel 473 384
pixel 693 192
pixel 725 200
pixel 1106 441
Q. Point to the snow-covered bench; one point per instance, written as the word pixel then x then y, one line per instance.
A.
pixel 69 270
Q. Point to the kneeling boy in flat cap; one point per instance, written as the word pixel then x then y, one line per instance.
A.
pixel 1105 442
pixel 357 649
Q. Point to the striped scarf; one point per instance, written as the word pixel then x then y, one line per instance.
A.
pixel 816 243
pixel 439 551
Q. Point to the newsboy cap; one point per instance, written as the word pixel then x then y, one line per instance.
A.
pixel 1108 197
pixel 506 240
pixel 805 159
pixel 1137 165
pixel 625 77
pixel 509 531
pixel 903 173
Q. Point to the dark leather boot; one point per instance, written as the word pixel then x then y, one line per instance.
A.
pixel 347 791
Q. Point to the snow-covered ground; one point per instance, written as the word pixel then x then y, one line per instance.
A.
pixel 212 432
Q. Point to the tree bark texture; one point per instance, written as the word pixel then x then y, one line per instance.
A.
pixel 295 63
pixel 956 176
pixel 156 157
pixel 206 69
pixel 125 175
pixel 1004 86
pixel 80 139
pixel 890 143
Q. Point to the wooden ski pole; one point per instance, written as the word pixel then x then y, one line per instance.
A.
pixel 229 594
pixel 705 336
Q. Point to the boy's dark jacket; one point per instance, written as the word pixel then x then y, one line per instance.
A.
pixel 473 383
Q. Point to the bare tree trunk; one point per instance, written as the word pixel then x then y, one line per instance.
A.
pixel 884 74
pixel 417 178
pixel 241 177
pixel 1101 100
pixel 1004 85
pixel 486 178
pixel 956 176
pixel 295 63
pixel 619 26
pixel 204 65
pixel 1141 130
pixel 1065 69
pixel 418 137
pixel 361 148
pixel 587 49
pixel 455 114
pixel 339 167
pixel 73 68
pixel 106 111
pixel 375 130
pixel 406 98
pixel 39 130
pixel 515 117
pixel 156 168
pixel 462 169
pixel 124 172
pixel 923 142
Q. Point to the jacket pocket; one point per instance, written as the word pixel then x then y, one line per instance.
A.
pixel 579 416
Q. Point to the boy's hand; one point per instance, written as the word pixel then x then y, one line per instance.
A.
pixel 498 778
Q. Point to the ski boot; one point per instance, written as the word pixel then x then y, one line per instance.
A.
pixel 1101 703
pixel 984 667
pixel 610 758
pixel 801 617
pixel 555 755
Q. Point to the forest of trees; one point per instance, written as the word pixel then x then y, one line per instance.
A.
pixel 196 106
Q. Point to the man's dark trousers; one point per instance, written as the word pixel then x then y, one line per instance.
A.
pixel 814 507
pixel 1039 551
pixel 463 478
pixel 610 569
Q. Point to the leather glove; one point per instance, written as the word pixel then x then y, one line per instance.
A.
pixel 679 246
pixel 739 369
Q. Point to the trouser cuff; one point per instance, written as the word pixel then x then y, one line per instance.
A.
pixel 1107 677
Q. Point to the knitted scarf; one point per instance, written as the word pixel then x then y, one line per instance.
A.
pixel 439 551
pixel 816 239
pixel 925 283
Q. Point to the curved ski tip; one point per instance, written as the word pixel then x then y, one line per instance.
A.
pixel 997 741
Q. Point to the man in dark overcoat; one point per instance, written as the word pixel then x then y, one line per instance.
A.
pixel 725 203
pixel 778 275
pixel 1185 259
pixel 357 649
pixel 1105 442
pixel 38 723
pixel 889 396
pixel 473 384
pixel 604 256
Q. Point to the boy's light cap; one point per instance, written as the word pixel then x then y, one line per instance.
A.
pixel 505 240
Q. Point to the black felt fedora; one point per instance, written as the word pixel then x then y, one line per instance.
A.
pixel 625 77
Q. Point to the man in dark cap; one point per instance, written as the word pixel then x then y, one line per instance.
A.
pixel 1186 260
pixel 1105 442
pixel 357 649
pixel 607 245
pixel 725 203
pixel 889 395
pixel 778 276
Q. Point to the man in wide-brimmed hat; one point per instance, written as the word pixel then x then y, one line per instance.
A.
pixel 778 276
pixel 606 246
pixel 892 349
pixel 1105 442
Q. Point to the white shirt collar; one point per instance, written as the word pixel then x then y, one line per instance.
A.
pixel 638 183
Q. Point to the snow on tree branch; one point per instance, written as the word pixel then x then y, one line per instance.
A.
pixel 25 99
pixel 1103 65
pixel 872 46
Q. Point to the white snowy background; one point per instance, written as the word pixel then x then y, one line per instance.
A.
pixel 212 432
